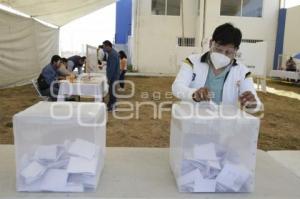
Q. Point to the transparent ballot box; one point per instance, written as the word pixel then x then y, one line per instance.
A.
pixel 213 148
pixel 60 147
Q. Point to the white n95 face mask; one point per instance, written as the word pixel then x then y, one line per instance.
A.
pixel 219 60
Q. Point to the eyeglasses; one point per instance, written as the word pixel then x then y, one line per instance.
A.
pixel 230 52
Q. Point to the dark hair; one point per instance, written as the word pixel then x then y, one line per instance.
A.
pixel 83 58
pixel 107 43
pixel 64 60
pixel 122 54
pixel 55 58
pixel 227 34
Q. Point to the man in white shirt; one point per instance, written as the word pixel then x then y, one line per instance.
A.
pixel 216 75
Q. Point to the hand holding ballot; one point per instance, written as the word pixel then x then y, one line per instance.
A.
pixel 202 94
pixel 248 99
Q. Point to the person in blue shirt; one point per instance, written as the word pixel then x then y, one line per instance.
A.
pixel 112 72
pixel 48 76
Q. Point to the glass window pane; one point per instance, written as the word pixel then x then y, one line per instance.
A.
pixel 231 7
pixel 158 7
pixel 252 8
pixel 173 7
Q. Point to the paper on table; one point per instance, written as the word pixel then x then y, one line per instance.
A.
pixel 61 164
pixel 214 164
pixel 32 187
pixel 61 151
pixel 220 188
pixel 187 188
pixel 67 144
pixel 83 149
pixel 204 185
pixel 82 165
pixel 54 180
pixel 233 176
pixel 36 187
pixel 189 177
pixel 188 155
pixel 71 188
pixel 205 152
pixel 48 153
pixel 33 172
pixel 25 160
pixel 202 165
pixel 213 173
pixel 187 166
pixel 86 180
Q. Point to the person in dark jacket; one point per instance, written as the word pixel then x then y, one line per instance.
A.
pixel 112 72
pixel 76 62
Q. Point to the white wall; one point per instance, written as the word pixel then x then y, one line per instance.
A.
pixel 155 44
pixel 155 37
pixel 292 31
pixel 26 47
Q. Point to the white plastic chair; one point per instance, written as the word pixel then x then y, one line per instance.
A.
pixel 35 85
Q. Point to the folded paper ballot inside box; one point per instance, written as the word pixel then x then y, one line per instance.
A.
pixel 60 147
pixel 214 153
pixel 206 171
pixel 58 174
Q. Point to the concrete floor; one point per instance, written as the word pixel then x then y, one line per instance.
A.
pixel 289 159
pixel 145 173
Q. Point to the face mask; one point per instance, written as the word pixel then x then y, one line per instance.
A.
pixel 219 60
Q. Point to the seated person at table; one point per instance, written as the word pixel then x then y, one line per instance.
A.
pixel 291 65
pixel 216 75
pixel 48 76
pixel 76 62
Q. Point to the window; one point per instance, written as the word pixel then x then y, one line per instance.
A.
pixel 186 41
pixel 245 8
pixel 252 8
pixel 231 7
pixel 166 7
pixel 158 7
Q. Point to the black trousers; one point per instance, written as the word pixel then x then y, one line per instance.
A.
pixel 122 78
pixel 111 92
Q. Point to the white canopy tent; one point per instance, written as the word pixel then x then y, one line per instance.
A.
pixel 27 45
pixel 56 12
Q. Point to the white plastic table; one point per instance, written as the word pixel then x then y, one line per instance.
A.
pixel 285 74
pixel 145 173
pixel 93 85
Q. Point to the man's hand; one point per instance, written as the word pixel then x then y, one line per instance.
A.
pixel 248 100
pixel 202 94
